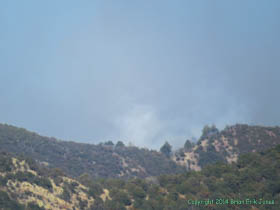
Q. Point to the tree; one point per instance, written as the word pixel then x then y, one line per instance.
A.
pixel 98 204
pixel 109 143
pixel 209 130
pixel 188 145
pixel 120 144
pixel 123 198
pixel 113 205
pixel 33 206
pixel 166 149
pixel 7 203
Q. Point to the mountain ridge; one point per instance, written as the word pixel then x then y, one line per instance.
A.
pixel 25 185
pixel 227 145
pixel 103 160
pixel 119 161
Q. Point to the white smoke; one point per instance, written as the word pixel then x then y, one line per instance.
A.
pixel 140 125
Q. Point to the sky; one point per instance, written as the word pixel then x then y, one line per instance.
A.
pixel 143 72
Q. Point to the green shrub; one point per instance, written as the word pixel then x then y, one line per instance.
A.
pixel 33 206
pixel 7 204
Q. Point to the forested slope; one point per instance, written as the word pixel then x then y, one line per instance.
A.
pixel 103 160
pixel 251 183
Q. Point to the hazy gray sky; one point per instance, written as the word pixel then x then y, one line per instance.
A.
pixel 138 71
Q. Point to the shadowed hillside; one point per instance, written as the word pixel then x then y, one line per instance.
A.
pixel 104 160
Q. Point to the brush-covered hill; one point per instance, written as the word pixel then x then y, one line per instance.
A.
pixel 103 160
pixel 226 145
pixel 250 183
pixel 26 186
pixel 253 182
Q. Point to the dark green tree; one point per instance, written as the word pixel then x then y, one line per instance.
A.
pixel 188 145
pixel 33 206
pixel 98 204
pixel 8 204
pixel 109 143
pixel 209 130
pixel 166 149
pixel 120 144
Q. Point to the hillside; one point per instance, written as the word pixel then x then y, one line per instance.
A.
pixel 226 145
pixel 254 177
pixel 104 160
pixel 23 185
pixel 119 161
pixel 251 183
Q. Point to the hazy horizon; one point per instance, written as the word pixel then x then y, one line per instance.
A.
pixel 141 72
